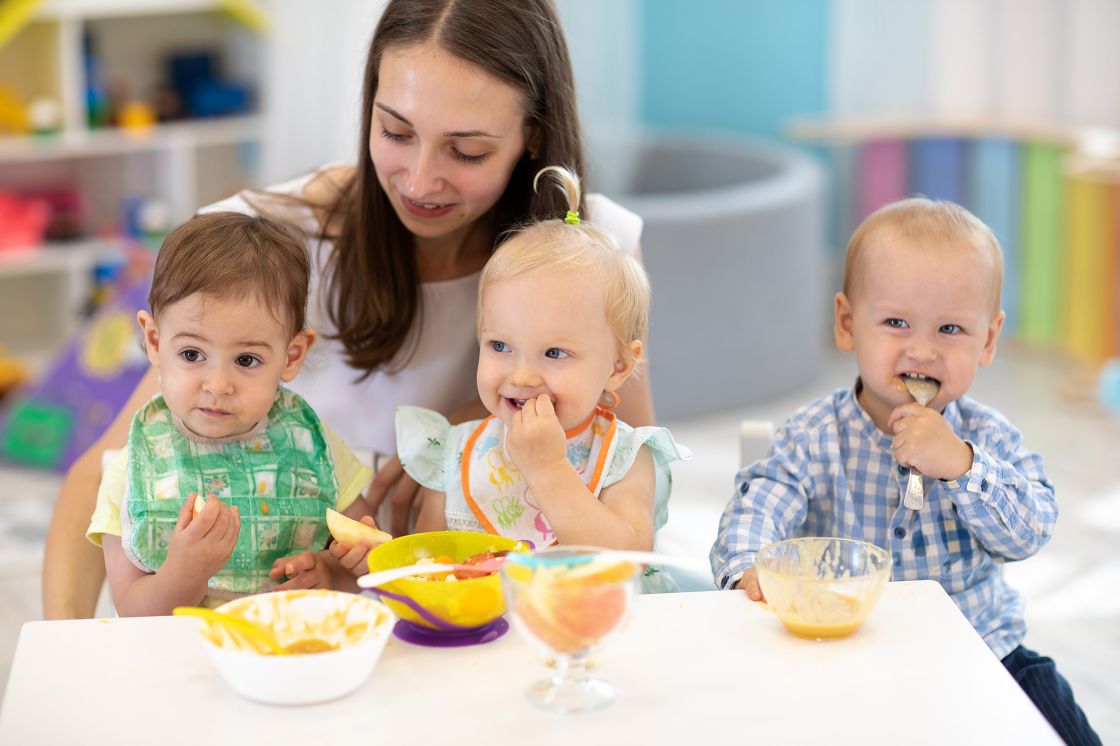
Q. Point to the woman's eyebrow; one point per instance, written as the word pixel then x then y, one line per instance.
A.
pixel 454 134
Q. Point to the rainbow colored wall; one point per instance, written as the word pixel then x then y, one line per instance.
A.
pixel 1059 227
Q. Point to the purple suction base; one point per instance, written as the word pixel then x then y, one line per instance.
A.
pixel 434 638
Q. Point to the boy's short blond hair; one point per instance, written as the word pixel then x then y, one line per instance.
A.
pixel 586 252
pixel 230 255
pixel 924 222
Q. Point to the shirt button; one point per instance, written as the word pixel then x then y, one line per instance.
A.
pixel 983 485
pixel 901 469
pixel 897 560
pixel 899 531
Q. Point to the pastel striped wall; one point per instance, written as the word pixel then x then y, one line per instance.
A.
pixel 1042 225
pixel 994 184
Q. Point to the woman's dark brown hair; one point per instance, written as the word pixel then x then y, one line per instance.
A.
pixel 372 282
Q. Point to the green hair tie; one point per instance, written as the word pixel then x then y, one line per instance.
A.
pixel 572 218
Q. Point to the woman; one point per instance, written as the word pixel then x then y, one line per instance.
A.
pixel 463 101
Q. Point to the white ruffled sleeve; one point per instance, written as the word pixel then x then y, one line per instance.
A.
pixel 665 451
pixel 423 437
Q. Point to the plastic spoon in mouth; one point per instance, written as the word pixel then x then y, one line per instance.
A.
pixel 243 628
pixel 923 390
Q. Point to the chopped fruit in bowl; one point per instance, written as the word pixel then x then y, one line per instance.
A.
pixel 569 600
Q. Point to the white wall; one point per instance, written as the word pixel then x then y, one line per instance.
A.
pixel 314 71
pixel 1033 61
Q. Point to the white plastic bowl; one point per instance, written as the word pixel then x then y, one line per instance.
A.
pixel 358 625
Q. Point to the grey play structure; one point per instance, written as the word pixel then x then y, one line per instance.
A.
pixel 733 242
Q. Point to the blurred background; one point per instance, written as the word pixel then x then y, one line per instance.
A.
pixel 751 136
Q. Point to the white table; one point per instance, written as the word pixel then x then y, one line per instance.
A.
pixel 691 668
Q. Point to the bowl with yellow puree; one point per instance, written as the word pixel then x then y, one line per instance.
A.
pixel 822 587
pixel 329 643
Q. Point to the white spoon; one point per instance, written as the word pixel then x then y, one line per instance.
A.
pixel 923 390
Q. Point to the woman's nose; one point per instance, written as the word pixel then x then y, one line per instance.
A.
pixel 425 178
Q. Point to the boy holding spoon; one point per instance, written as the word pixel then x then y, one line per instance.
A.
pixel 920 307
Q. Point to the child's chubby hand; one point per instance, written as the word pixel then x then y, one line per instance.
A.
pixel 303 570
pixel 749 583
pixel 204 542
pixel 352 557
pixel 536 439
pixel 924 441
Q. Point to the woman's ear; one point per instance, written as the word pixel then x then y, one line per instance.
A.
pixel 533 141
pixel 297 353
pixel 624 365
pixel 150 332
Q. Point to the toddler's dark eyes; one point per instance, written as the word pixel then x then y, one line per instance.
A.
pixel 246 361
pixel 191 356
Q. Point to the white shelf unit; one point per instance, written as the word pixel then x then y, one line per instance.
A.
pixel 184 164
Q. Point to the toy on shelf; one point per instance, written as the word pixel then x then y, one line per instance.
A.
pixel 23 221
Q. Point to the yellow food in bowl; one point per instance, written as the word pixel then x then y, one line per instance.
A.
pixel 820 587
pixel 470 602
pixel 337 639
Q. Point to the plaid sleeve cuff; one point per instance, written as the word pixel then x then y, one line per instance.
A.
pixel 978 483
pixel 732 573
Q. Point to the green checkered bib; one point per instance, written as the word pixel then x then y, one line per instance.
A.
pixel 281 478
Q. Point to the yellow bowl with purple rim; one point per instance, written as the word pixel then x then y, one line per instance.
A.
pixel 822 587
pixel 438 604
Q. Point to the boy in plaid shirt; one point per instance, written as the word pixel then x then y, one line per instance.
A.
pixel 921 301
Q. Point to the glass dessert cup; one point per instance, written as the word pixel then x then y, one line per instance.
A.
pixel 821 587
pixel 568 601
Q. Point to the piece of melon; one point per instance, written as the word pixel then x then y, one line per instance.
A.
pixel 199 504
pixel 348 531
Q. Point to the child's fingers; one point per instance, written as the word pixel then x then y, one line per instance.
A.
pixel 185 513
pixel 544 407
pixel 355 559
pixel 749 583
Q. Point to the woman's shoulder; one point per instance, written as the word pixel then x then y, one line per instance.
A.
pixel 324 186
pixel 293 199
pixel 624 224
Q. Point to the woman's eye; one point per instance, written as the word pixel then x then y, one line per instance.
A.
pixel 468 158
pixel 896 323
pixel 191 356
pixel 393 136
pixel 247 361
pixel 555 353
pixel 498 346
pixel 951 329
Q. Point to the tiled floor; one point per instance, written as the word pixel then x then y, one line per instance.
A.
pixel 1072 586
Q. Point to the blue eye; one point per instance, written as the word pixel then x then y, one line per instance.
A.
pixel 498 346
pixel 951 329
pixel 555 353
pixel 896 323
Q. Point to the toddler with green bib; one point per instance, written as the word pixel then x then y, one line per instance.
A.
pixel 226 328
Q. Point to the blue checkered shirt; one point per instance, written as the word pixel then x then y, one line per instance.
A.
pixel 831 472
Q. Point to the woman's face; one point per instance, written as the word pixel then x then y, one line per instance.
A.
pixel 444 139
